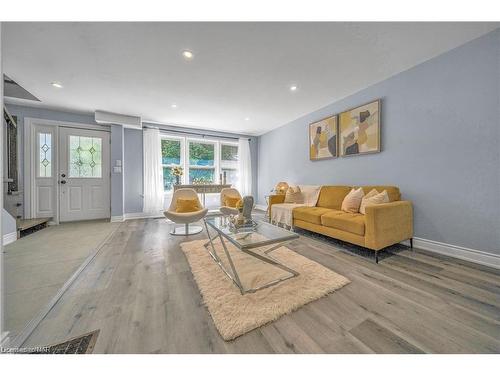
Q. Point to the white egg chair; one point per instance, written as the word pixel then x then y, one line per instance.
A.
pixel 185 218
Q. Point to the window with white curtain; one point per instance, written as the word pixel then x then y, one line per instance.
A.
pixel 229 161
pixel 172 155
pixel 203 160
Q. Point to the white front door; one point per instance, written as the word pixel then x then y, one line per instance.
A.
pixel 84 174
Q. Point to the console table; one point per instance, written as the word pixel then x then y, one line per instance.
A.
pixel 204 189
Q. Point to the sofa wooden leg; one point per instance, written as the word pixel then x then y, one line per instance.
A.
pixel 376 257
pixel 411 243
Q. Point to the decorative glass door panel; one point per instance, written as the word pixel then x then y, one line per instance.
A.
pixel 85 157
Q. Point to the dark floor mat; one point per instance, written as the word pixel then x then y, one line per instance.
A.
pixel 79 345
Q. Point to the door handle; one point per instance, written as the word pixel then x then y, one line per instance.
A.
pixel 63 182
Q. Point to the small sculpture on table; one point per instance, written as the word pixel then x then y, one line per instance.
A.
pixel 244 217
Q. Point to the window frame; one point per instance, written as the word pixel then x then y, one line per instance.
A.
pixel 215 167
pixel 221 162
pixel 185 141
pixel 182 157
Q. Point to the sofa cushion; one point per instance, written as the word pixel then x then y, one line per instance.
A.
pixel 310 214
pixel 352 223
pixel 332 196
pixel 392 191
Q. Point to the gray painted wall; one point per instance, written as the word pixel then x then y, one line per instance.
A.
pixel 440 140
pixel 132 172
pixel 117 154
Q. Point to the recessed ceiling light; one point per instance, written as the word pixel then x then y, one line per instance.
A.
pixel 57 84
pixel 247 118
pixel 293 88
pixel 174 106
pixel 188 55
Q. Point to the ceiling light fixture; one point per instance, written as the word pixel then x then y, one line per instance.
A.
pixel 174 106
pixel 188 55
pixel 293 88
pixel 57 84
pixel 247 118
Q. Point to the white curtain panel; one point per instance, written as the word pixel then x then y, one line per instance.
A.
pixel 153 171
pixel 244 184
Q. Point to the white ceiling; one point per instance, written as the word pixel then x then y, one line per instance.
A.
pixel 239 69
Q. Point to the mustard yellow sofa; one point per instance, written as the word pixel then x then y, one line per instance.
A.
pixel 383 224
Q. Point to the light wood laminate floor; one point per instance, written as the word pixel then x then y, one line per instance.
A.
pixel 140 293
pixel 38 265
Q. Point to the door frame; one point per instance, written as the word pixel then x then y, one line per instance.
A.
pixel 29 198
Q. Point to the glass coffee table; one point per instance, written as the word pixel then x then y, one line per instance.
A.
pixel 249 241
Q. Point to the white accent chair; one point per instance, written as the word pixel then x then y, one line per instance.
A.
pixel 185 218
pixel 228 193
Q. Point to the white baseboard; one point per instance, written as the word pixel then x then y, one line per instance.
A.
pixel 459 252
pixel 141 215
pixel 9 238
pixel 261 207
pixel 134 215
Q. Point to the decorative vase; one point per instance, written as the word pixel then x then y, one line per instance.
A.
pixel 177 180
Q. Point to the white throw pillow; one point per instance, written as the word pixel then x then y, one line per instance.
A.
pixel 310 194
pixel 372 193
pixel 379 198
pixel 352 201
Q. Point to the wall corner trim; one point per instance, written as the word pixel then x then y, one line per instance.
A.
pixel 9 238
pixel 459 252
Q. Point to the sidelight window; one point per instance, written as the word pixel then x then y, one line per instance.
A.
pixel 45 155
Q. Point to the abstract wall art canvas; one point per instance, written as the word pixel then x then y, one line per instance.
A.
pixel 359 130
pixel 323 139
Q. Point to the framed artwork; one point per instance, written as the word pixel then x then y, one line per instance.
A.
pixel 323 139
pixel 359 130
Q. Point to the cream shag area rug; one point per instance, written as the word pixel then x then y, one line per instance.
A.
pixel 235 314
